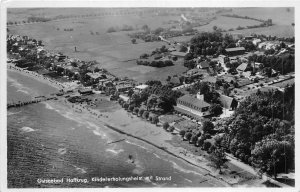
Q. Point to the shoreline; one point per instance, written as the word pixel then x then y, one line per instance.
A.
pixel 38 77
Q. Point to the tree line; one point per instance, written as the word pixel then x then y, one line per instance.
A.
pixel 261 131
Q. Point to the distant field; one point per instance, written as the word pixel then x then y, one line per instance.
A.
pixel 227 23
pixel 115 50
pixel 275 30
pixel 279 16
pixel 110 49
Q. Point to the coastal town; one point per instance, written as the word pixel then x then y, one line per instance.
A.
pixel 219 109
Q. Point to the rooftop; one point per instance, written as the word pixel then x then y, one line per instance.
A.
pixel 143 86
pixel 177 53
pixel 235 49
pixel 94 75
pixel 204 64
pixel 193 101
pixel 210 79
pixel 242 67
pixel 226 101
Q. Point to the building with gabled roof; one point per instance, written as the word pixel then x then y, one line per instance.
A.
pixel 228 102
pixel 123 87
pixel 242 67
pixel 235 51
pixel 192 107
pixel 210 79
pixel 203 65
pixel 178 54
pixel 175 81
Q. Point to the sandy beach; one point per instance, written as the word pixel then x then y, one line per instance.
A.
pixel 41 78
pixel 134 127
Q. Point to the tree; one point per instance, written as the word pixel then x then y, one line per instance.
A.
pixel 125 106
pixel 145 28
pixel 133 41
pixel 193 139
pixel 215 28
pixel 208 127
pixel 141 111
pixel 182 133
pixel 188 136
pixel 200 141
pixel 158 30
pixel 155 120
pixel 216 109
pixel 270 154
pixel 166 125
pixel 136 110
pixel 152 101
pixel 130 92
pixel 145 115
pixel 206 145
pixel 183 48
pixel 111 29
pixel 130 108
pixel 218 158
pixel 171 128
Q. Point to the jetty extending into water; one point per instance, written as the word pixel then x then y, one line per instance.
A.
pixel 32 101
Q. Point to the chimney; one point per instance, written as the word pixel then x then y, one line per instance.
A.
pixel 200 97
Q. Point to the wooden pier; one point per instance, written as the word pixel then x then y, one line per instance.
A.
pixel 32 101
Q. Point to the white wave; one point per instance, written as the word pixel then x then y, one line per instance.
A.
pixel 114 151
pixel 157 156
pixel 23 91
pixel 139 168
pixel 175 166
pixel 48 106
pixel 97 133
pixel 80 170
pixel 62 151
pixel 188 180
pixel 137 145
pixel 27 129
pixel 11 113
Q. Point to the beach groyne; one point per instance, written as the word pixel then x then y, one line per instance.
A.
pixel 32 101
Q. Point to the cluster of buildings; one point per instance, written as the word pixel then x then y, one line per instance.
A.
pixel 245 80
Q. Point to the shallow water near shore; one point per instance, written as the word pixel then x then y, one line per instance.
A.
pixel 47 142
